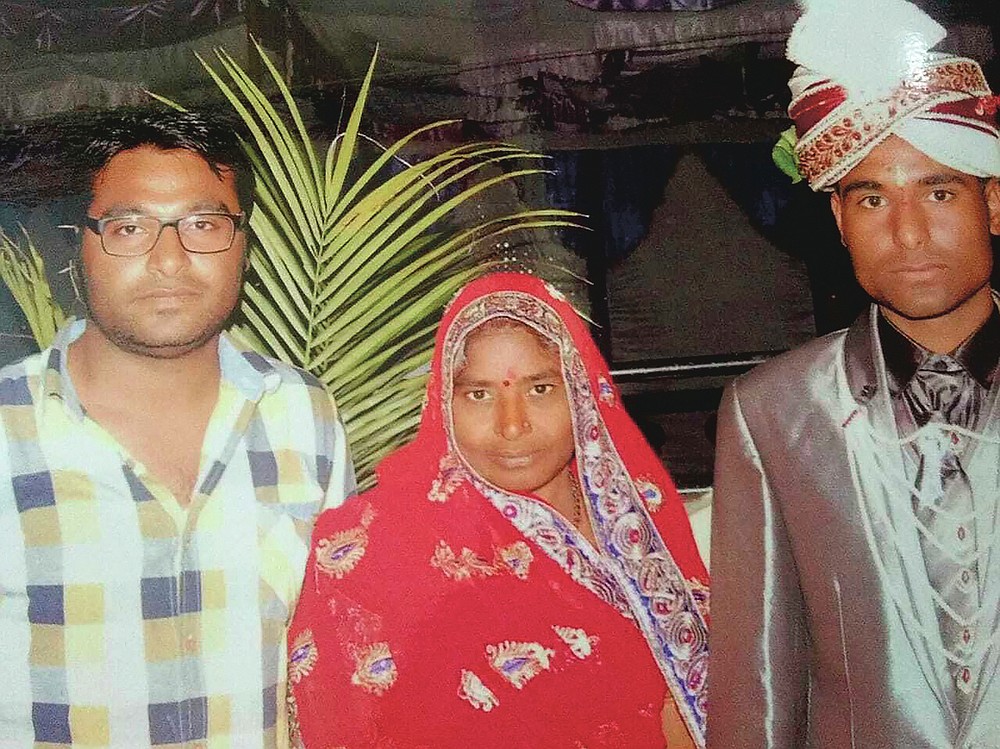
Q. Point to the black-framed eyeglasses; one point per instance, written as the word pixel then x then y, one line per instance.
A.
pixel 201 233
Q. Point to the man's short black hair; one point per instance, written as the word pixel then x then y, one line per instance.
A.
pixel 213 138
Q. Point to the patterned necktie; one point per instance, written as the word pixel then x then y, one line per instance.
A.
pixel 943 391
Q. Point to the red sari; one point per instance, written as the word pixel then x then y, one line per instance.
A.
pixel 440 611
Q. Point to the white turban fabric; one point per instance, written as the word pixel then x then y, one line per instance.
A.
pixel 866 71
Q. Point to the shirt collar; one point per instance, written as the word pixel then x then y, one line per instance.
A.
pixel 56 382
pixel 979 354
pixel 252 374
pixel 249 372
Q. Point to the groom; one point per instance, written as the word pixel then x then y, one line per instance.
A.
pixel 856 559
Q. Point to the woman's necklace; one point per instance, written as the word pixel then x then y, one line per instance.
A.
pixel 574 489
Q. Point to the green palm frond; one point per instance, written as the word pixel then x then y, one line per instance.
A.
pixel 23 271
pixel 354 262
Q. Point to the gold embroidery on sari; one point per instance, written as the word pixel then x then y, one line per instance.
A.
pixel 376 670
pixel 701 596
pixel 650 493
pixel 294 730
pixel 303 656
pixel 472 690
pixel 514 559
pixel 519 662
pixel 605 391
pixel 450 475
pixel 461 566
pixel 580 643
pixel 340 553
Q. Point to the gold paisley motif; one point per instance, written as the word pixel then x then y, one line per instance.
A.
pixel 515 558
pixel 464 565
pixel 375 669
pixel 472 690
pixel 340 554
pixel 580 643
pixel 450 476
pixel 302 657
pixel 519 662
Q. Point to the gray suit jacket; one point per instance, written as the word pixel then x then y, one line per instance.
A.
pixel 822 631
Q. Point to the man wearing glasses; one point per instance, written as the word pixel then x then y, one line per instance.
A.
pixel 158 483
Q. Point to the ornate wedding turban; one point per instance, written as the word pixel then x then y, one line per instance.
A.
pixel 866 71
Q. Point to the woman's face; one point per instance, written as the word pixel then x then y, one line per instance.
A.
pixel 511 414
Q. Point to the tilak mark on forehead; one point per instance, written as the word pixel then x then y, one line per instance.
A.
pixel 900 175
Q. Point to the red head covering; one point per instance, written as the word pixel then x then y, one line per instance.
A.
pixel 486 611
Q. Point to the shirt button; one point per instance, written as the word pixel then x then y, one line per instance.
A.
pixel 961 533
pixel 964 680
pixel 966 636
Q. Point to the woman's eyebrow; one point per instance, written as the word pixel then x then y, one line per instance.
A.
pixel 471 382
pixel 545 374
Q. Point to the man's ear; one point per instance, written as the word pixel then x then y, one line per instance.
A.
pixel 837 207
pixel 992 192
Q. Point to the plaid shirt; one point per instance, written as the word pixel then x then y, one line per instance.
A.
pixel 127 620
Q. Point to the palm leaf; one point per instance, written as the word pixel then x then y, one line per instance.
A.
pixel 23 271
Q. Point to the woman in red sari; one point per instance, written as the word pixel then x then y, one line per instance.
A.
pixel 524 574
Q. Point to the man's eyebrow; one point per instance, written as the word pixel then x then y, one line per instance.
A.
pixel 928 180
pixel 209 206
pixel 942 178
pixel 122 209
pixel 858 185
pixel 117 210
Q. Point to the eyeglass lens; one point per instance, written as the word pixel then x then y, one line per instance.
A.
pixel 136 235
